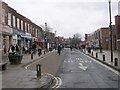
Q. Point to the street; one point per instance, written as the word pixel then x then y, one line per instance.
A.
pixel 77 70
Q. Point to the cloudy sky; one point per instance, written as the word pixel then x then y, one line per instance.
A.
pixel 67 17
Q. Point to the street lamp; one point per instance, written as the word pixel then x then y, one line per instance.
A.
pixel 110 26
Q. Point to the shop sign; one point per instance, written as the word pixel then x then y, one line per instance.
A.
pixel 7 29
pixel 18 32
pixel 27 36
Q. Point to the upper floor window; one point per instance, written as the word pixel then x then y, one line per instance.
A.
pixel 9 19
pixel 28 27
pixel 33 31
pixel 21 25
pixel 14 21
pixel 25 27
pixel 36 32
pixel 18 23
pixel 3 16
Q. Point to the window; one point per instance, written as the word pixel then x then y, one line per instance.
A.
pixel 25 27
pixel 21 25
pixel 36 32
pixel 28 27
pixel 18 23
pixel 14 23
pixel 33 31
pixel 9 19
pixel 3 16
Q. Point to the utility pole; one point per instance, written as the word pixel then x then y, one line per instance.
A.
pixel 110 26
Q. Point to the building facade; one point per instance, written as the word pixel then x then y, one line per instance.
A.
pixel 117 27
pixel 101 38
pixel 17 29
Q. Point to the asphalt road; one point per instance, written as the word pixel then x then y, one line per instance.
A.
pixel 79 71
pixel 50 63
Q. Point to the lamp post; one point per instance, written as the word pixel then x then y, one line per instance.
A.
pixel 45 36
pixel 110 27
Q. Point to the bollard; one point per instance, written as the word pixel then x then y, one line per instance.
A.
pixel 31 55
pixel 38 68
pixel 92 53
pixel 96 55
pixel 44 51
pixel 103 57
pixel 116 61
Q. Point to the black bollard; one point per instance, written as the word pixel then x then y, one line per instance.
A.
pixel 38 68
pixel 103 57
pixel 31 55
pixel 116 61
pixel 96 55
pixel 44 51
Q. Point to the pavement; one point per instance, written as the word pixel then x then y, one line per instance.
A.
pixel 107 54
pixel 16 76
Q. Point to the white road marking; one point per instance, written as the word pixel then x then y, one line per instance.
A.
pixel 81 61
pixel 115 71
pixel 60 82
pixel 82 67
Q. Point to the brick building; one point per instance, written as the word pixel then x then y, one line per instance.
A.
pixel 117 28
pixel 101 38
pixel 17 29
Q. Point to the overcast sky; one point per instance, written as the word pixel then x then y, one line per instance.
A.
pixel 67 17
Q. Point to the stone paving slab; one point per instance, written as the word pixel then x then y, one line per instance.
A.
pixel 15 76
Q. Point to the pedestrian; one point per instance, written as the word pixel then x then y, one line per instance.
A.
pixel 34 48
pixel 11 49
pixel 39 50
pixel 59 49
pixel 71 48
pixel 17 48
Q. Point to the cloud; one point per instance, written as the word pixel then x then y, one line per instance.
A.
pixel 67 16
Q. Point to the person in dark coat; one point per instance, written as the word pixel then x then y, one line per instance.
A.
pixel 11 49
pixel 17 48
pixel 59 49
pixel 34 48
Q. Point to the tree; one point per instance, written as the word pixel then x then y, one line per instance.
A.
pixel 76 40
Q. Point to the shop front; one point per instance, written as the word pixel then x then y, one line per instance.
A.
pixel 17 37
pixel 27 40
pixel 7 33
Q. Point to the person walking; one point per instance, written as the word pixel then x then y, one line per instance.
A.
pixel 39 50
pixel 34 48
pixel 59 49
pixel 71 48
